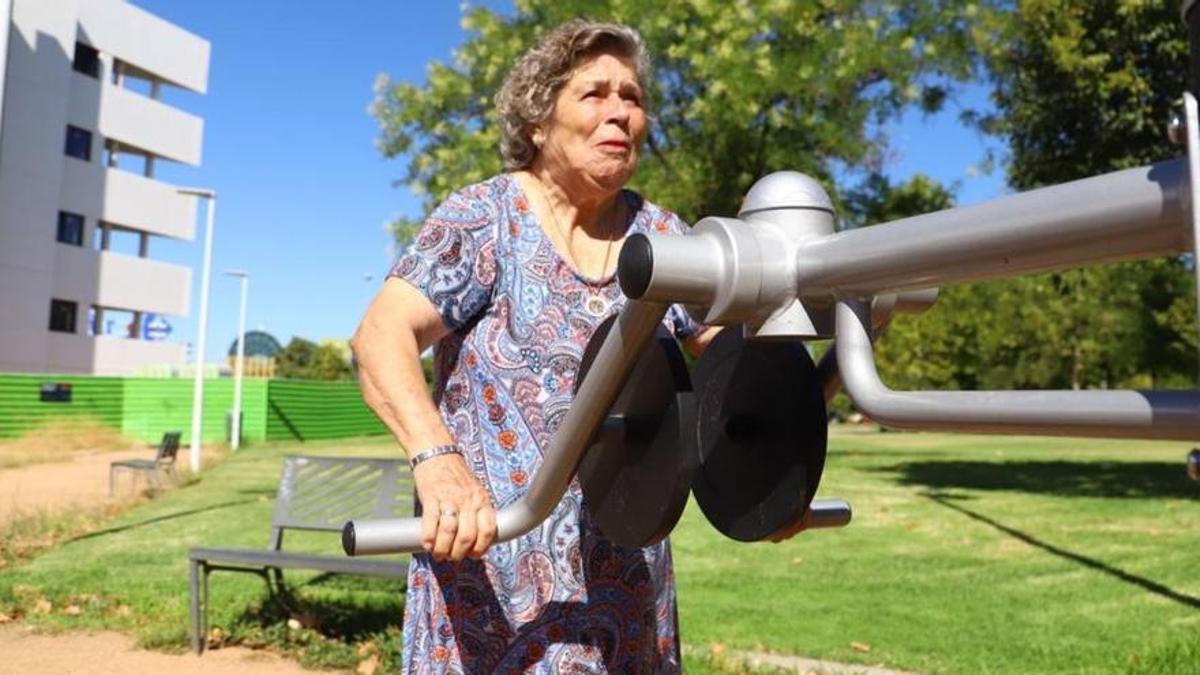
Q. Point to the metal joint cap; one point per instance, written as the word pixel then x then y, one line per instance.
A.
pixel 785 190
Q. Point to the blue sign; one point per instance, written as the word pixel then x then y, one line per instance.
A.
pixel 155 328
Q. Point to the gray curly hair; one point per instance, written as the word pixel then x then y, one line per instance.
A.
pixel 527 96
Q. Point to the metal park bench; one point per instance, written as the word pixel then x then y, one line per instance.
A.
pixel 164 461
pixel 315 494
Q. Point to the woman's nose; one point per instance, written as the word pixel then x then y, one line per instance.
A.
pixel 616 111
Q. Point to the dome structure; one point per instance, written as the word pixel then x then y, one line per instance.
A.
pixel 258 343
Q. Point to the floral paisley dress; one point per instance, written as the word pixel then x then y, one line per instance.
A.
pixel 562 598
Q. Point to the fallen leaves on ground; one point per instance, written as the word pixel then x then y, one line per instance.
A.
pixel 860 647
pixel 43 606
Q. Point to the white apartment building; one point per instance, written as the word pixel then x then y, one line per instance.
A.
pixel 82 130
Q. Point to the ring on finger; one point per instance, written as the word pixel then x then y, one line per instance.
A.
pixel 449 512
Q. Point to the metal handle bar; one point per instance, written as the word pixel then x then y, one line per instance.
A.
pixel 826 513
pixel 622 347
pixel 1134 213
pixel 1104 414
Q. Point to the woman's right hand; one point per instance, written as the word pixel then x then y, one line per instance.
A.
pixel 457 518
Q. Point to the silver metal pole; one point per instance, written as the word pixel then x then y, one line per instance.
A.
pixel 239 365
pixel 1102 414
pixel 1192 127
pixel 1128 214
pixel 5 24
pixel 202 327
pixel 615 361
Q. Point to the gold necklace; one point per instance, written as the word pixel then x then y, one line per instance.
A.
pixel 595 302
pixel 567 242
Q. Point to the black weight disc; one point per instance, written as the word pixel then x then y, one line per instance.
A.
pixel 760 434
pixel 636 472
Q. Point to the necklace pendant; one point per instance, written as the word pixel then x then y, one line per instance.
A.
pixel 596 304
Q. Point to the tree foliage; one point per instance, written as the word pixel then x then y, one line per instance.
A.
pixel 304 359
pixel 1081 88
pixel 740 88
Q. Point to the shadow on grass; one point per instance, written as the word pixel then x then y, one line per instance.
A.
pixel 343 606
pixel 1091 563
pixel 1068 479
pixel 158 519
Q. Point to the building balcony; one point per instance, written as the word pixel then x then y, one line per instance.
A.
pixel 151 44
pixel 135 120
pixel 121 281
pixel 127 199
pixel 107 355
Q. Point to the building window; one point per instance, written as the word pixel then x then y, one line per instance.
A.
pixel 70 228
pixel 87 60
pixel 62 316
pixel 79 143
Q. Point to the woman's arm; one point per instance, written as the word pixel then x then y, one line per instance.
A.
pixel 399 325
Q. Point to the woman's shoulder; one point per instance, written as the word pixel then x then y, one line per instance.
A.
pixel 474 205
pixel 652 218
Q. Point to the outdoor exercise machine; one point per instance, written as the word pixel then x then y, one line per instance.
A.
pixel 746 431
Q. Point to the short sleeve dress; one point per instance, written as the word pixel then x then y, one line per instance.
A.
pixel 562 598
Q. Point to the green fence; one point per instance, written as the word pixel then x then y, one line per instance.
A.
pixel 143 408
pixel 307 410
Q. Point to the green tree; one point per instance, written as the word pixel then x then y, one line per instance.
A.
pixel 295 360
pixel 306 360
pixel 740 88
pixel 1082 88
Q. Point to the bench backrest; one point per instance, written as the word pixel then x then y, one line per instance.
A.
pixel 322 493
pixel 168 448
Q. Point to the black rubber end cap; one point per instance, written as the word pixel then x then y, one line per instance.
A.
pixel 635 265
pixel 348 543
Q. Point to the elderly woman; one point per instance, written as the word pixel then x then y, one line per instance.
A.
pixel 509 278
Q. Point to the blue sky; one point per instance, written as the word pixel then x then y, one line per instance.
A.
pixel 303 193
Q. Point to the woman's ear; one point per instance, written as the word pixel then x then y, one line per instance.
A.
pixel 537 136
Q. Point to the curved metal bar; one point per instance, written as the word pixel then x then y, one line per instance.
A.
pixel 1103 414
pixel 615 361
pixel 882 309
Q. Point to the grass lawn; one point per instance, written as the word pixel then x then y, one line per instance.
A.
pixel 967 554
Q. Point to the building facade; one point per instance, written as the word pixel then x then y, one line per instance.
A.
pixel 82 130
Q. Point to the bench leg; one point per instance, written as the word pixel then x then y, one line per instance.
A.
pixel 198 578
pixel 112 481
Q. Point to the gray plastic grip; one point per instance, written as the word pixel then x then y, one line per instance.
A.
pixel 827 513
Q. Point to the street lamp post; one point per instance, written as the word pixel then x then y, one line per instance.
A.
pixel 239 365
pixel 202 327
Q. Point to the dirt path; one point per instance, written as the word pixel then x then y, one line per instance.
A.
pixel 22 651
pixel 42 488
pixel 83 482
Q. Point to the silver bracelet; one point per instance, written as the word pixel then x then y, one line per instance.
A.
pixel 436 451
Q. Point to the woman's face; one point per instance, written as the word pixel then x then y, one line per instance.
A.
pixel 596 127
